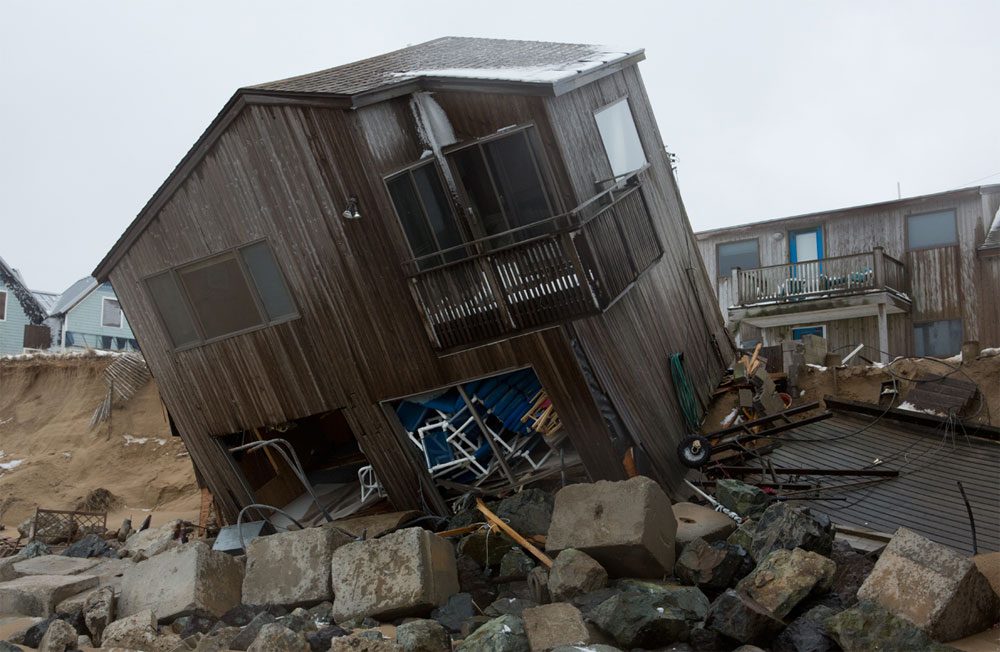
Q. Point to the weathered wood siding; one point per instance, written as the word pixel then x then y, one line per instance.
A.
pixel 670 309
pixel 942 280
pixel 284 172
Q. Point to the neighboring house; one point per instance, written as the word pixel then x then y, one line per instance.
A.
pixel 20 311
pixel 88 316
pixel 914 276
pixel 342 243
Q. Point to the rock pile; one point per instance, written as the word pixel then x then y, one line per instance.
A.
pixel 778 583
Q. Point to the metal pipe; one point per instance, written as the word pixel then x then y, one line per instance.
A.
pixel 295 466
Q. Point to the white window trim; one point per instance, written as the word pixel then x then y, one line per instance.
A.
pixel 6 300
pixel 121 314
pixel 791 333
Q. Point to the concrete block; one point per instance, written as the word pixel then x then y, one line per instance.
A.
pixel 988 564
pixel 38 595
pixel 699 522
pixel 291 568
pixel 109 573
pixel 555 624
pixel 153 541
pixel 54 565
pixel 937 589
pixel 182 581
pixel 628 527
pixel 406 573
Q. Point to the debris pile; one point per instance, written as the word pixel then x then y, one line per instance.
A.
pixel 604 566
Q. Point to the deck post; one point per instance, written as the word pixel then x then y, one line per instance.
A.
pixel 878 256
pixel 883 333
pixel 734 288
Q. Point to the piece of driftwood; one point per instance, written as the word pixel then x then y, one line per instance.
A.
pixel 513 534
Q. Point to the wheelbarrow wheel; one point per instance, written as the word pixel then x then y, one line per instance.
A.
pixel 694 451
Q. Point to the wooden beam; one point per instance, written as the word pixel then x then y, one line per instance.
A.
pixel 512 533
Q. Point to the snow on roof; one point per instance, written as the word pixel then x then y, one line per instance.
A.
pixel 45 299
pixel 73 295
pixel 538 62
pixel 992 240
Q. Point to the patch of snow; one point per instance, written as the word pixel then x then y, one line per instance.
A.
pixel 985 353
pixel 659 610
pixel 64 355
pixel 161 442
pixel 11 465
pixel 816 366
pixel 957 358
pixel 129 440
pixel 910 407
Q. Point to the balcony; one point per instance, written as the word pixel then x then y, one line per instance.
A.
pixel 567 267
pixel 841 287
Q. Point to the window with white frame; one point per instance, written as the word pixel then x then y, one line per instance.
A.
pixel 111 313
pixel 620 138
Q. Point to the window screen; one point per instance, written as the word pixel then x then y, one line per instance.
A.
pixel 425 213
pixel 743 254
pixel 621 140
pixel 939 339
pixel 931 230
pixel 268 280
pixel 111 313
pixel 173 309
pixel 220 297
pixel 3 305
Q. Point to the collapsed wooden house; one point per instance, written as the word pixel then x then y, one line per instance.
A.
pixel 337 242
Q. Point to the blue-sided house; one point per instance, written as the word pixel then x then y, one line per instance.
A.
pixel 88 315
pixel 20 310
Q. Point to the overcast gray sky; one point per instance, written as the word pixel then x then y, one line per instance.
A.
pixel 773 108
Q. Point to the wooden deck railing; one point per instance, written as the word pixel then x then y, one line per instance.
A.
pixel 839 275
pixel 577 266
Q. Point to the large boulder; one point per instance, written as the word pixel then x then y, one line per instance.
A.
pixel 59 637
pixel 932 586
pixel 713 566
pixel 137 632
pixel 700 522
pixel 99 611
pixel 552 625
pixel 278 638
pixel 91 546
pixel 628 527
pixel 786 577
pixel 853 568
pixel 744 499
pixel 54 565
pixel 146 544
pixel 641 620
pixel 282 568
pixel 807 633
pixel 516 564
pixel 503 634
pixel 38 595
pixel 422 635
pixel 406 573
pixel 784 526
pixel 189 579
pixel 574 573
pixel 740 618
pixel 529 511
pixel 455 611
pixel 867 626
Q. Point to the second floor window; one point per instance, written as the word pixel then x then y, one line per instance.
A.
pixel 111 313
pixel 620 138
pixel 744 254
pixel 927 230
pixel 425 213
pixel 223 295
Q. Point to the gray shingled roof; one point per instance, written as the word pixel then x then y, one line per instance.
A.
pixel 72 295
pixel 45 299
pixel 456 57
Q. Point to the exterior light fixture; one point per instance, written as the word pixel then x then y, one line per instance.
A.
pixel 351 212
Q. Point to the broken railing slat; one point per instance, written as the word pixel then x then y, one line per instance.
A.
pixel 512 533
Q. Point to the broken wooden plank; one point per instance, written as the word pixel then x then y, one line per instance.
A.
pixel 513 534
